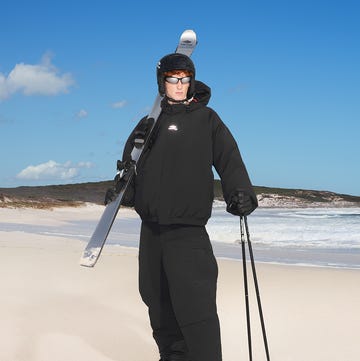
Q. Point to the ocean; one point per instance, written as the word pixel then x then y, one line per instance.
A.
pixel 322 237
pixel 327 237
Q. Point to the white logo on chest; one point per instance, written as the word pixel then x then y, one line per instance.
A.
pixel 173 127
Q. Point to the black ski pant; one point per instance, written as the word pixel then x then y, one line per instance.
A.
pixel 177 281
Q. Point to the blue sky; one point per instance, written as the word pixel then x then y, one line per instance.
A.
pixel 76 76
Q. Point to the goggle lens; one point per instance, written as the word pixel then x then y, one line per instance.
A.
pixel 175 80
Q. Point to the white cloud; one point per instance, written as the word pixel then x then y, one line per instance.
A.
pixel 52 170
pixel 39 79
pixel 119 104
pixel 82 113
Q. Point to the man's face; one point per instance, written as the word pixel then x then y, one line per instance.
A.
pixel 177 91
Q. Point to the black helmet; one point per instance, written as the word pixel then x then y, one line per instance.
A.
pixel 171 62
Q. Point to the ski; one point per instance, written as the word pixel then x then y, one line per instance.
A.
pixel 91 254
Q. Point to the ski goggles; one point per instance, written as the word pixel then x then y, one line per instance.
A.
pixel 175 80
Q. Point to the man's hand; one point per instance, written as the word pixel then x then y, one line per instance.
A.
pixel 241 204
pixel 109 196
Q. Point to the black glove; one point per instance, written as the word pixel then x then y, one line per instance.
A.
pixel 109 196
pixel 128 199
pixel 241 204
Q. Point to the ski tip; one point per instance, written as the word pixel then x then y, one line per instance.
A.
pixel 189 32
pixel 187 43
pixel 188 36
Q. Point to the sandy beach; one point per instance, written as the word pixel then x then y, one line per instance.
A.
pixel 51 309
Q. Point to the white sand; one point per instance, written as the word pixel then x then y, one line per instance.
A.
pixel 51 309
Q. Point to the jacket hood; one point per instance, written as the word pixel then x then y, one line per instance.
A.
pixel 202 93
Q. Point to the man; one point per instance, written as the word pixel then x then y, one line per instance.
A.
pixel 173 194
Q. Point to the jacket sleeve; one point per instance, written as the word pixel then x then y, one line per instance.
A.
pixel 228 163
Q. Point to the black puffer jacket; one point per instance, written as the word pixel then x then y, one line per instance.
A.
pixel 174 181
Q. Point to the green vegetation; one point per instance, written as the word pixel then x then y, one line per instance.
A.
pixel 76 194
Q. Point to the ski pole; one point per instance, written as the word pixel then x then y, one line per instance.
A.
pixel 257 290
pixel 246 287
